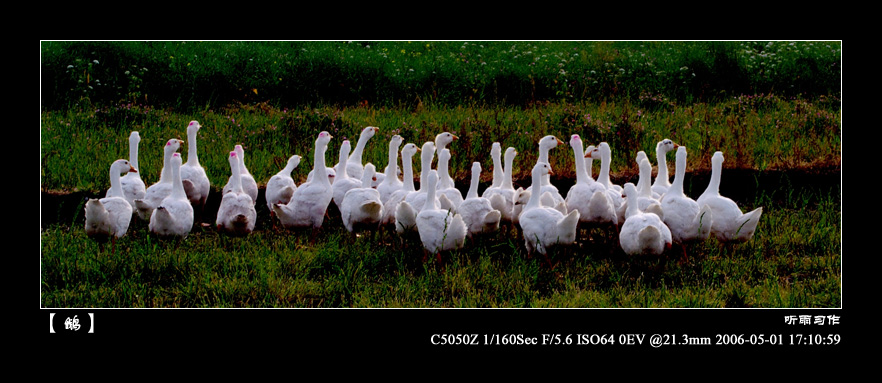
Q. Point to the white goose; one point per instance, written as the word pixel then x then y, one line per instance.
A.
pixel 439 230
pixel 310 201
pixel 158 191
pixel 642 233
pixel 249 185
pixel 545 145
pixel 588 196
pixel 344 182
pixel 477 212
pixel 390 208
pixel 132 185
pixel 662 181
pixel 503 198
pixel 390 182
pixel 109 217
pixel 196 183
pixel 281 186
pixel 642 186
pixel 645 199
pixel 441 142
pixel 687 221
pixel 362 205
pixel 416 200
pixel 173 217
pixel 236 214
pixel 445 183
pixel 730 224
pixel 603 152
pixel 354 167
pixel 543 226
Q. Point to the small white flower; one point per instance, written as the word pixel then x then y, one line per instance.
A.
pixel 127 73
pixel 70 66
pixel 95 61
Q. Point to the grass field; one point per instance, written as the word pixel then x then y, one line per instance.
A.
pixel 763 119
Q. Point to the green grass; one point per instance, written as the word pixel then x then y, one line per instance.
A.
pixel 793 261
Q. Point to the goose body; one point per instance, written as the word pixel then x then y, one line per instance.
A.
pixel 158 191
pixel 173 217
pixel 439 229
pixel 310 201
pixel 543 226
pixel 131 183
pixel 729 223
pixel 236 214
pixel 642 233
pixel 281 186
pixel 687 220
pixel 193 176
pixel 110 216
pixel 249 185
pixel 362 205
pixel 477 212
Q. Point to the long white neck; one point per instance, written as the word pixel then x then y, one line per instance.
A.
pixel 425 166
pixel 320 172
pixel 236 187
pixel 543 157
pixel 178 184
pixel 473 186
pixel 391 173
pixel 406 163
pixel 534 196
pixel 342 174
pixel 165 173
pixel 430 194
pixel 676 188
pixel 603 177
pixel 367 179
pixel 498 172
pixel 115 185
pixel 443 173
pixel 192 156
pixel 581 175
pixel 716 173
pixel 633 206
pixel 286 171
pixel 645 189
pixel 359 148
pixel 507 171
pixel 134 140
pixel 662 175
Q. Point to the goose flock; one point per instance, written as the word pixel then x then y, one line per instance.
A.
pixel 648 217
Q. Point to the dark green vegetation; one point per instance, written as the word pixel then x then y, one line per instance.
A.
pixel 770 107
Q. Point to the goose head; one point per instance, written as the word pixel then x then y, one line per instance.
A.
pixel 496 149
pixel 445 138
pixel 665 146
pixel 369 176
pixel 122 167
pixel 323 138
pixel 293 162
pixel 549 142
pixel 409 150
pixel 510 153
pixel 629 191
pixel 192 128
